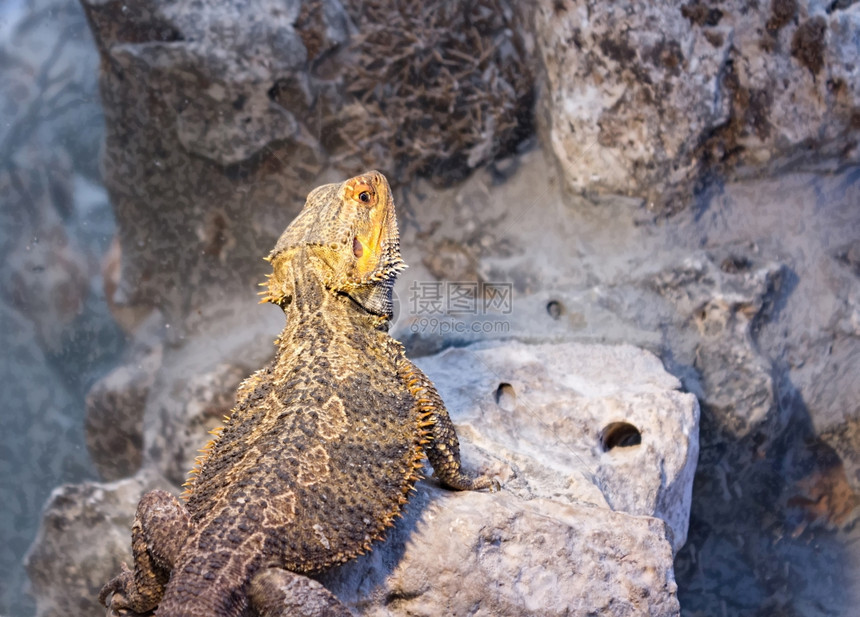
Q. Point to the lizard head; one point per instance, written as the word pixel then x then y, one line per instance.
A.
pixel 351 231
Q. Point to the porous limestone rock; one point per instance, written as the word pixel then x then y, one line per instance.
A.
pixel 649 100
pixel 465 554
pixel 602 425
pixel 595 447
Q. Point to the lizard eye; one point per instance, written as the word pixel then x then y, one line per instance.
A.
pixel 365 194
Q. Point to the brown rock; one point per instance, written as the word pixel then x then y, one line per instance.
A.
pixel 115 408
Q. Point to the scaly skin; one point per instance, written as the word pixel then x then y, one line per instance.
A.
pixel 323 446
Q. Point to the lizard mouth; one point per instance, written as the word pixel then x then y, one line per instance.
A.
pixel 374 290
pixel 377 250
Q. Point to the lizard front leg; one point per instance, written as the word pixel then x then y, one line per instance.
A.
pixel 161 525
pixel 443 448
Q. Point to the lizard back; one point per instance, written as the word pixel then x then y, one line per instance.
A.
pixel 320 452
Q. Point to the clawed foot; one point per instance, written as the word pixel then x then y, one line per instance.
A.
pixel 493 476
pixel 492 484
pixel 114 595
pixel 465 482
pixel 115 586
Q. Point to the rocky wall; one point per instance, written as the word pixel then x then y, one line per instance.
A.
pixel 656 100
pixel 218 118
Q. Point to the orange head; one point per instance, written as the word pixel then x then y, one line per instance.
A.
pixel 351 230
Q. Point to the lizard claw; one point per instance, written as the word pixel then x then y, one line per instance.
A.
pixel 490 483
pixel 113 595
pixel 114 585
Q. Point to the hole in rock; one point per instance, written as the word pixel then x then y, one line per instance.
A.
pixel 554 309
pixel 620 435
pixel 505 397
pixel 735 264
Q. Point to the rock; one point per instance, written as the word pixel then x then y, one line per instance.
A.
pixel 37 412
pixel 578 424
pixel 844 437
pixel 723 297
pixel 750 299
pixel 533 558
pixel 49 76
pixel 128 317
pixel 49 141
pixel 203 169
pixel 46 275
pixel 632 108
pixel 750 296
pixel 115 410
pixel 196 387
pixel 453 262
pixel 567 430
pixel 220 121
pixel 194 406
pixel 83 539
pixel 780 493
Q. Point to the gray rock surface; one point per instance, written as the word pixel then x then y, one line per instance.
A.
pixel 533 558
pixel 196 385
pixel 649 101
pixel 776 288
pixel 581 424
pixel 722 302
pixel 607 512
pixel 749 299
pixel 83 538
pixel 194 194
pixel 115 411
